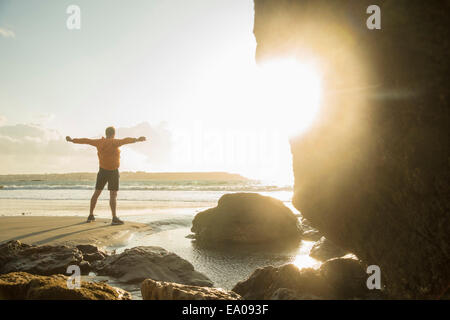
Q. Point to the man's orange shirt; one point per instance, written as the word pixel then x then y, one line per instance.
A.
pixel 107 150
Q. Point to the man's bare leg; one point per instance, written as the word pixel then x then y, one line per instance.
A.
pixel 94 199
pixel 113 202
pixel 113 205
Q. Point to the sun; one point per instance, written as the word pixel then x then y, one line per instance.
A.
pixel 244 115
pixel 290 93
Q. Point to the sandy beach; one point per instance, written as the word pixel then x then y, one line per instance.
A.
pixel 19 207
pixel 40 230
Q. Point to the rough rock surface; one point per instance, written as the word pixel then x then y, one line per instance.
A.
pixel 91 253
pixel 24 286
pixel 310 233
pixel 373 173
pixel 42 260
pixel 139 263
pixel 160 290
pixel 264 282
pixel 336 279
pixel 324 250
pixel 289 294
pixel 347 278
pixel 247 218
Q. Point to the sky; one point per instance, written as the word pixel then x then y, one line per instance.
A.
pixel 180 72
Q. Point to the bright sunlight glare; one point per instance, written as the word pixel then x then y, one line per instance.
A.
pixel 303 260
pixel 291 94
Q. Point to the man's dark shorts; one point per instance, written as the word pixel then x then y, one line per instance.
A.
pixel 107 176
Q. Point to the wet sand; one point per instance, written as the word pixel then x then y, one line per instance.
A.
pixel 40 230
pixel 31 207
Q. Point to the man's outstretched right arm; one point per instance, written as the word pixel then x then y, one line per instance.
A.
pixel 92 142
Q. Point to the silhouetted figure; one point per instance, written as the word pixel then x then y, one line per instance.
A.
pixel 109 162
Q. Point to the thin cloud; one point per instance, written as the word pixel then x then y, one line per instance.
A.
pixel 28 148
pixel 35 148
pixel 7 33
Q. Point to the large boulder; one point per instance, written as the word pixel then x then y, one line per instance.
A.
pixel 324 250
pixel 373 173
pixel 248 218
pixel 342 278
pixel 139 263
pixel 26 286
pixel 160 290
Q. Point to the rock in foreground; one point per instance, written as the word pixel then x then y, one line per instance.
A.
pixel 324 249
pixel 26 286
pixel 263 283
pixel 160 290
pixel 247 218
pixel 42 260
pixel 336 279
pixel 91 253
pixel 347 278
pixel 147 262
pixel 131 266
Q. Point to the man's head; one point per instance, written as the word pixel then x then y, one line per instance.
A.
pixel 110 132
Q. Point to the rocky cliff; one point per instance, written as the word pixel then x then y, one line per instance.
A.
pixel 373 173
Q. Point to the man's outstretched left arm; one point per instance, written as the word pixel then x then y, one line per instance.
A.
pixel 121 142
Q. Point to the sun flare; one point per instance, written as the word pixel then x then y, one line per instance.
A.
pixel 303 260
pixel 291 94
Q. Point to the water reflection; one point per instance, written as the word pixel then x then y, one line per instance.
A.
pixel 227 264
pixel 303 260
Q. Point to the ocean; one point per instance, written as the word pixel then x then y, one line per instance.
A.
pixel 183 190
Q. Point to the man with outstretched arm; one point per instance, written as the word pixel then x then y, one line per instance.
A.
pixel 109 162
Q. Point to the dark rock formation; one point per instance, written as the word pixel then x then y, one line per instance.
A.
pixel 130 267
pixel 324 249
pixel 160 290
pixel 91 253
pixel 139 263
pixel 247 218
pixel 336 279
pixel 289 294
pixel 264 282
pixel 42 260
pixel 47 260
pixel 373 174
pixel 25 286
pixel 347 278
